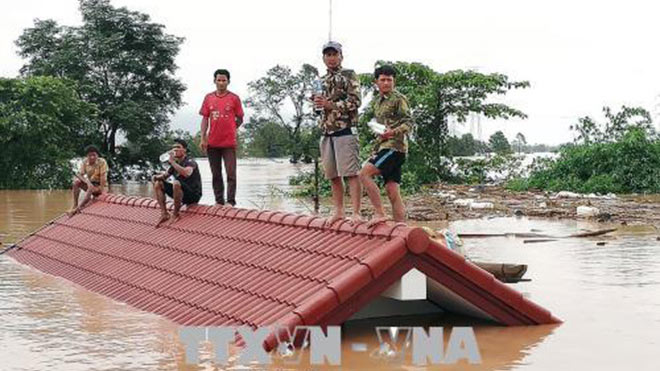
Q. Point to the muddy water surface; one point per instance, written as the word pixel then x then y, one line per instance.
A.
pixel 608 297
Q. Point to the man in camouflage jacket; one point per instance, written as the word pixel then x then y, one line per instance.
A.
pixel 339 145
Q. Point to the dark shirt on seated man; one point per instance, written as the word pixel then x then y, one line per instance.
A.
pixel 186 188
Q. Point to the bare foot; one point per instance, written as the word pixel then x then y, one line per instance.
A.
pixel 356 219
pixel 174 218
pixel 163 218
pixel 377 220
pixel 73 211
pixel 330 221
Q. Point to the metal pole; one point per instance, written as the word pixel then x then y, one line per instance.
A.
pixel 329 20
pixel 316 184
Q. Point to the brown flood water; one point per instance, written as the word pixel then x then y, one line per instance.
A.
pixel 608 297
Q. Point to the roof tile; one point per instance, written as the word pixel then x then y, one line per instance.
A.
pixel 231 266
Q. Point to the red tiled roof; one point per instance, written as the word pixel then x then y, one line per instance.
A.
pixel 229 266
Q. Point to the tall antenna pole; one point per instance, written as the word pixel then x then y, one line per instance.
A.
pixel 329 20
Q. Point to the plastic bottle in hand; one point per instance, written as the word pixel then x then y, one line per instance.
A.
pixel 317 89
pixel 165 157
pixel 376 127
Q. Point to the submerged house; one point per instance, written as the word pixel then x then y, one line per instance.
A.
pixel 230 266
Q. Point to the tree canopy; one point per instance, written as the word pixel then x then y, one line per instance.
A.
pixel 281 98
pixel 434 97
pixel 43 125
pixel 122 62
pixel 498 143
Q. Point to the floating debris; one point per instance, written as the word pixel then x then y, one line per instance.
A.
pixel 587 211
pixel 540 240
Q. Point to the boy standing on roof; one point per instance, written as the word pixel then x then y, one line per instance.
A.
pixel 390 109
pixel 187 185
pixel 222 114
pixel 339 146
pixel 92 177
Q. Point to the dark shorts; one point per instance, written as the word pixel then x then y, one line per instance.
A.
pixel 389 162
pixel 189 196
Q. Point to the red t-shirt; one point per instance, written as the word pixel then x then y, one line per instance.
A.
pixel 222 112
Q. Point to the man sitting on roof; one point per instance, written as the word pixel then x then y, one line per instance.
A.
pixel 187 185
pixel 91 178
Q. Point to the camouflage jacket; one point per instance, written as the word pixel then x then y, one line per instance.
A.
pixel 342 88
pixel 392 110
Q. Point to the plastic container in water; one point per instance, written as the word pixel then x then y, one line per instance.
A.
pixel 481 205
pixel 587 211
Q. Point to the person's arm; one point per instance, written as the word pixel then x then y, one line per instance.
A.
pixel 104 177
pixel 82 175
pixel 404 122
pixel 183 171
pixel 160 176
pixel 239 112
pixel 205 112
pixel 353 97
pixel 204 133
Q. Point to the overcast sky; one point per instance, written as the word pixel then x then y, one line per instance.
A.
pixel 578 56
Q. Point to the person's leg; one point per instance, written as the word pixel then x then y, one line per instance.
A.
pixel 347 155
pixel 355 187
pixel 189 196
pixel 366 177
pixel 178 197
pixel 330 169
pixel 398 210
pixel 229 156
pixel 86 198
pixel 337 200
pixel 159 193
pixel 215 163
pixel 75 191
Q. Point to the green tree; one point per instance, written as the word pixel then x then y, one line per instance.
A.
pixel 43 126
pixel 122 62
pixel 498 143
pixel 435 97
pixel 265 138
pixel 621 155
pixel 281 91
pixel 463 146
pixel 616 126
pixel 519 142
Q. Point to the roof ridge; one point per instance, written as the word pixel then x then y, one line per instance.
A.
pixel 299 220
pixel 512 307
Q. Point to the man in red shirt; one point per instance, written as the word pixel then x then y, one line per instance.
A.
pixel 222 114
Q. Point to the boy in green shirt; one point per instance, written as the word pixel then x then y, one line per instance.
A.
pixel 391 110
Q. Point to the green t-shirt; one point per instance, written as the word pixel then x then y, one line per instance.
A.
pixel 392 110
